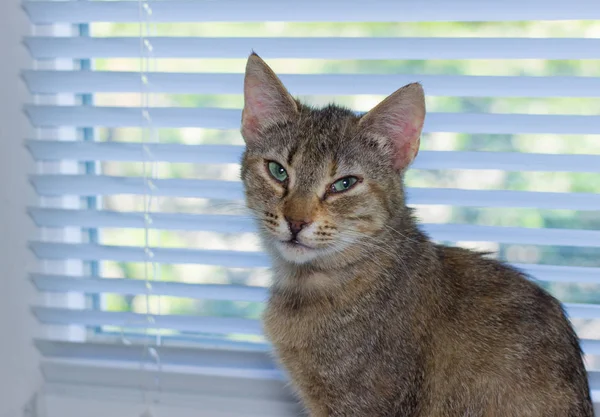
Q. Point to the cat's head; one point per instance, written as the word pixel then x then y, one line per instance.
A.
pixel 324 183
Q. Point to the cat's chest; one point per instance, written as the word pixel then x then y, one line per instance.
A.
pixel 315 336
pixel 325 333
pixel 314 321
pixel 316 347
pixel 304 328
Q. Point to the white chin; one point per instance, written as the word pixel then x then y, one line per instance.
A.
pixel 296 253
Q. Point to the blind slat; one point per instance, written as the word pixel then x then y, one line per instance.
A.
pixel 318 48
pixel 128 286
pixel 582 311
pixel 54 185
pixel 134 152
pixel 91 252
pixel 183 323
pixel 503 198
pixel 196 355
pixel 219 118
pixel 245 383
pixel 519 235
pixel 590 346
pixel 238 224
pixel 312 11
pixel 95 285
pixel 230 154
pixel 554 273
pixel 213 355
pixel 201 324
pixel 225 258
pixel 80 82
pixel 169 221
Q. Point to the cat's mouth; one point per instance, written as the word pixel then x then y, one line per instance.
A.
pixel 295 243
pixel 295 251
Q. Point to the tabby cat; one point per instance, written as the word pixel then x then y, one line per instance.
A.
pixel 369 317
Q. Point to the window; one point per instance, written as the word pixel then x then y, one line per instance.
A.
pixel 154 277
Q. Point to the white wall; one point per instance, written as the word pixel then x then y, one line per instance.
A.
pixel 19 371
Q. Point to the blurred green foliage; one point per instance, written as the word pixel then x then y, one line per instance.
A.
pixel 565 182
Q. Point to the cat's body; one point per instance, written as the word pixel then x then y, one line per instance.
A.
pixel 367 315
pixel 436 332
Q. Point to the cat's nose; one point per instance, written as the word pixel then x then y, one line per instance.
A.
pixel 296 225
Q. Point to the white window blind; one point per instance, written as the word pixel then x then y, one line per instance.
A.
pixel 509 163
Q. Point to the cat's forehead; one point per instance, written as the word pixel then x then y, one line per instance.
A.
pixel 324 134
pixel 332 116
pixel 324 149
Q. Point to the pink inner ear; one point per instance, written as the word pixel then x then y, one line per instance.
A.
pixel 406 153
pixel 250 125
pixel 255 110
pixel 266 102
pixel 398 120
pixel 406 136
pixel 258 107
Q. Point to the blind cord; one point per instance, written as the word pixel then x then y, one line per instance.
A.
pixel 150 361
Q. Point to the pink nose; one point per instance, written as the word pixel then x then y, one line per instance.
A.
pixel 296 225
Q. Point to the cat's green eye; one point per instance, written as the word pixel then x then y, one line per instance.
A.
pixel 277 171
pixel 343 184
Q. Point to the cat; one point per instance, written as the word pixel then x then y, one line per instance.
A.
pixel 368 316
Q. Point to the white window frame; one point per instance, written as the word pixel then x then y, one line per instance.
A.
pixel 19 361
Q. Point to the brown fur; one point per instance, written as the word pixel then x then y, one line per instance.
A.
pixel 375 319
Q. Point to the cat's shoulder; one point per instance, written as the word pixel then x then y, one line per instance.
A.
pixel 468 261
pixel 480 271
pixel 479 276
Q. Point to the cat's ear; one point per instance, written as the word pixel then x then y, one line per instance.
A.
pixel 266 100
pixel 397 121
